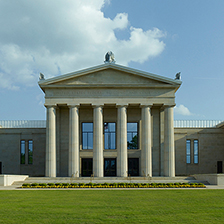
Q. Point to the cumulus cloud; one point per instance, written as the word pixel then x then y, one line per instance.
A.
pixel 60 36
pixel 182 110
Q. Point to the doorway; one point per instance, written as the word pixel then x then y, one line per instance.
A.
pixel 87 167
pixel 219 166
pixel 133 166
pixel 0 167
pixel 110 167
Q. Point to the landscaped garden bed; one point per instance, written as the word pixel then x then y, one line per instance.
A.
pixel 113 185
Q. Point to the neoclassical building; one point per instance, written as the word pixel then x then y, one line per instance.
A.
pixel 109 120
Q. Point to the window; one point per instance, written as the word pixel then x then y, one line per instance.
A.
pixel 109 136
pixel 30 152
pixel 195 151
pixel 87 135
pixel 132 135
pixel 188 151
pixel 22 152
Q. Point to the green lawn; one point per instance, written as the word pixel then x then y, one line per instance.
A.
pixel 112 206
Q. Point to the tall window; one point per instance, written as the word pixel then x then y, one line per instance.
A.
pixel 195 151
pixel 22 151
pixel 188 151
pixel 87 135
pixel 109 136
pixel 132 135
pixel 30 152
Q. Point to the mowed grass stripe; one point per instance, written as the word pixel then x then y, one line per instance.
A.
pixel 132 206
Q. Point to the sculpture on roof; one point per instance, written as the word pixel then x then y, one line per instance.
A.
pixel 178 77
pixel 41 77
pixel 109 57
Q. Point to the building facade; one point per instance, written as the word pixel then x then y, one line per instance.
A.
pixel 110 120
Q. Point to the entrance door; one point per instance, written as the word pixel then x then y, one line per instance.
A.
pixel 87 167
pixel 133 166
pixel 219 166
pixel 110 167
pixel 0 167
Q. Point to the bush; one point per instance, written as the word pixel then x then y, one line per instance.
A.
pixel 51 184
pixel 26 185
pixel 34 184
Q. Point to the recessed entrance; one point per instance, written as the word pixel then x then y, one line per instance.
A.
pixel 133 166
pixel 87 167
pixel 110 167
pixel 219 166
pixel 0 167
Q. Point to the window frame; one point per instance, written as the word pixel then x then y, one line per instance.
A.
pixel 87 136
pixel 30 161
pixel 22 157
pixel 188 151
pixel 196 155
pixel 110 133
pixel 137 131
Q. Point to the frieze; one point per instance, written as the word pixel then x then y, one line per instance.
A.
pixel 92 93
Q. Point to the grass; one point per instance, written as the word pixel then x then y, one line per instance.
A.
pixel 112 206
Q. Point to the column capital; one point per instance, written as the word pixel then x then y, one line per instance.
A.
pixel 97 105
pixel 145 105
pixel 50 105
pixel 73 105
pixel 122 105
pixel 169 105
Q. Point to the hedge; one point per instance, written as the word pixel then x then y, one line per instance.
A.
pixel 113 185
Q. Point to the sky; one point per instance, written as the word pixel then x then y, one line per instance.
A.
pixel 162 37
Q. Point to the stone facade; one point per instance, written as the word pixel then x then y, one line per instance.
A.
pixel 113 95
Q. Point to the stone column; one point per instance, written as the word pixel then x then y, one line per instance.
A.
pixel 73 163
pixel 146 138
pixel 98 141
pixel 50 169
pixel 169 153
pixel 122 153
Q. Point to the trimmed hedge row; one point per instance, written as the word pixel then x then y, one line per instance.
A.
pixel 113 185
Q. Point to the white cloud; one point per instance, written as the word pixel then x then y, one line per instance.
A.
pixel 182 110
pixel 61 36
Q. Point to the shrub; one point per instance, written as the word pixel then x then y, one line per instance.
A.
pixel 26 185
pixel 43 184
pixel 51 184
pixel 34 184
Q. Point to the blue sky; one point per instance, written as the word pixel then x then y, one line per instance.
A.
pixel 158 36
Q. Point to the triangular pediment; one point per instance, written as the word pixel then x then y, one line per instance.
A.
pixel 108 75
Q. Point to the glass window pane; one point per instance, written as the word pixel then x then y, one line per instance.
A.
pixel 132 127
pixel 90 141
pixel 109 135
pixel 87 127
pixel 22 151
pixel 195 151
pixel 84 140
pixel 87 135
pixel 188 151
pixel 30 152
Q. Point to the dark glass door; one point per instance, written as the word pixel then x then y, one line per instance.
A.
pixel 133 166
pixel 219 166
pixel 110 167
pixel 0 167
pixel 87 167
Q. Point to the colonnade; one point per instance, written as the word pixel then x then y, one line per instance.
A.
pixel 98 146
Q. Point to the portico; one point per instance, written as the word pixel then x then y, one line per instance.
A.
pixel 109 120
